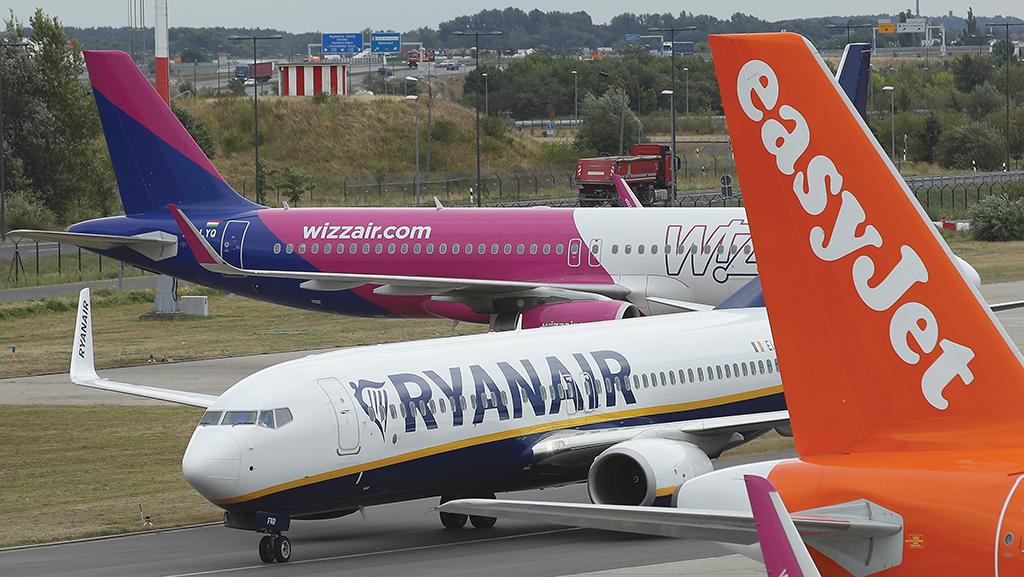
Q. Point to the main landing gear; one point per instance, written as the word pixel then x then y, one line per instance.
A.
pixel 457 521
pixel 275 548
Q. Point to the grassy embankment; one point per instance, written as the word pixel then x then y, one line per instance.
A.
pixel 361 139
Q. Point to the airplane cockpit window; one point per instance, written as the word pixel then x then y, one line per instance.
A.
pixel 266 419
pixel 211 418
pixel 283 417
pixel 239 418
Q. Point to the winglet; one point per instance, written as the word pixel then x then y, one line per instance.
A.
pixel 626 196
pixel 782 548
pixel 82 366
pixel 201 249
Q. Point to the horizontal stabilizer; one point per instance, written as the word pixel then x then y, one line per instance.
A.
pixel 155 245
pixel 681 305
pixel 83 369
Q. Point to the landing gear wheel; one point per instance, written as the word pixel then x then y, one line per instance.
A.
pixel 267 549
pixel 482 522
pixel 282 549
pixel 452 520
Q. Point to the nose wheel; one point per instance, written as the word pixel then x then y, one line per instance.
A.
pixel 275 548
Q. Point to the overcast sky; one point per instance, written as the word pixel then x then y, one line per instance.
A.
pixel 402 15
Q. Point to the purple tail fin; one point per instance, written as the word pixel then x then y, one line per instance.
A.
pixel 156 161
pixel 785 554
pixel 626 196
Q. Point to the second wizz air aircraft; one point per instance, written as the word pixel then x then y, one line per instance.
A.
pixel 504 267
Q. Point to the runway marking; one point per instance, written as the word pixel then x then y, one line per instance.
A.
pixel 372 553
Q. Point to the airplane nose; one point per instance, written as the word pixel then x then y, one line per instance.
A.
pixel 211 463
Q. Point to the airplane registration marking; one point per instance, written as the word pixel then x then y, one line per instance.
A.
pixel 499 436
pixel 814 186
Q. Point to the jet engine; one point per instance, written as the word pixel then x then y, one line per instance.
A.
pixel 566 313
pixel 639 471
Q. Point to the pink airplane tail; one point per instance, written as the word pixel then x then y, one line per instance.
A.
pixel 784 552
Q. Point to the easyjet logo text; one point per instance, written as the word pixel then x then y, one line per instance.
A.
pixel 913 329
pixel 369 231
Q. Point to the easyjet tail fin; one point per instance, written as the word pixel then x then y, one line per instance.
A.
pixel 156 161
pixel 882 341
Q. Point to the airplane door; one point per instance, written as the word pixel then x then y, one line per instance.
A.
pixel 344 412
pixel 575 252
pixel 595 252
pixel 1010 537
pixel 232 240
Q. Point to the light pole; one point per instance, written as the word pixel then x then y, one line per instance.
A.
pixel 576 98
pixel 3 184
pixel 487 107
pixel 416 182
pixel 892 116
pixel 1009 51
pixel 672 38
pixel 687 75
pixel 672 105
pixel 256 107
pixel 430 97
pixel 476 34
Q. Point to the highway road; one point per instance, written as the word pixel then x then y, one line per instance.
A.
pixel 398 539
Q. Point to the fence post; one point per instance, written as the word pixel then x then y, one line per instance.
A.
pixel 536 188
pixel 101 263
pixel 344 188
pixel 37 260
pixel 60 271
pixel 79 263
pixel 497 177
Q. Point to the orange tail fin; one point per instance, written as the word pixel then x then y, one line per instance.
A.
pixel 882 343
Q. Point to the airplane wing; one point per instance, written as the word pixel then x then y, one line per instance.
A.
pixel 686 306
pixel 156 245
pixel 569 446
pixel 626 196
pixel 703 524
pixel 83 369
pixel 404 285
pixel 782 549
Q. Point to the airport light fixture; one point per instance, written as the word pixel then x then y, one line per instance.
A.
pixel 416 99
pixel 687 71
pixel 476 34
pixel 576 98
pixel 3 189
pixel 892 116
pixel 487 108
pixel 1009 51
pixel 672 39
pixel 849 27
pixel 256 105
pixel 672 105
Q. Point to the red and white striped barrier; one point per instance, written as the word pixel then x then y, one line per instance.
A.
pixel 310 79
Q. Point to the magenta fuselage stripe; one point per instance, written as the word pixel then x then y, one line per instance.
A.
pixel 125 92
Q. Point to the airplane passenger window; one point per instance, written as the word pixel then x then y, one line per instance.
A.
pixel 352 248
pixel 728 372
pixel 472 400
pixel 744 367
pixel 289 248
pixel 239 418
pixel 282 416
pixel 417 248
pixel 753 369
pixel 654 249
pixel 718 371
pixel 682 376
pixel 700 374
pixel 746 249
pixel 681 249
pixel 423 408
pixel 378 248
pixel 520 248
pixel 693 249
pixel 469 248
pixel 211 418
pixel 494 249
pixel 441 405
pixel 615 249
pixel 596 249
pixel 736 370
pixel 663 382
pixel 559 249
pixel 432 406
pixel 668 249
pixel 504 398
pixel 302 248
pixel 404 249
pixel 721 249
pixel 636 382
pixel 267 419
pixel 401 410
pixel 366 248
pixel 769 363
pixel 481 248
pixel 391 248
pixel 430 248
pixel 533 249
pixel 340 249
pixel 508 249
pixel 315 248
pixel 394 414
pixel 327 248
pixel 760 366
pixel 547 249
pixel 776 365
pixel 442 248
pixel 733 249
pixel 277 248
pixel 640 248
pixel 711 373
pixel 456 248
pixel 629 249
pixel 689 375
pixel 644 377
pixel 543 394
pixel 574 248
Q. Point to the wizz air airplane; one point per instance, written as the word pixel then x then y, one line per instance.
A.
pixel 505 267
pixel 905 393
pixel 634 407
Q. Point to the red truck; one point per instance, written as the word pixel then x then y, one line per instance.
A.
pixel 647 170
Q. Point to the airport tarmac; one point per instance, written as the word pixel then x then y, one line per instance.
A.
pixel 398 539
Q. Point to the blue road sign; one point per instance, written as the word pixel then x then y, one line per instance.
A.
pixel 632 38
pixel 343 42
pixel 385 42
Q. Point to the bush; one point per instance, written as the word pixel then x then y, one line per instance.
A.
pixel 999 217
pixel 196 127
pixel 970 144
pixel 443 130
pixel 26 212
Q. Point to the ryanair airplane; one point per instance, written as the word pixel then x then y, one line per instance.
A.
pixel 635 407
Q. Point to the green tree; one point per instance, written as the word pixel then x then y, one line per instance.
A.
pixel 607 122
pixel 971 145
pixel 197 128
pixel 969 72
pixel 236 87
pixel 983 100
pixel 293 184
pixel 929 138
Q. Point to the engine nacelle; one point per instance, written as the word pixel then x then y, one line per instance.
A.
pixel 576 312
pixel 640 471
